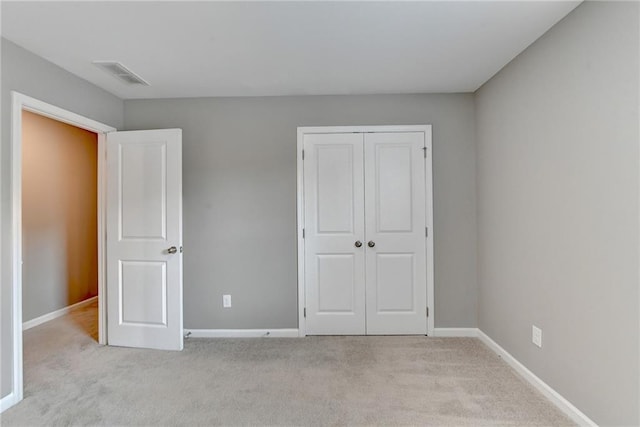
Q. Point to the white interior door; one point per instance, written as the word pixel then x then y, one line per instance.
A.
pixel 334 212
pixel 396 272
pixel 144 239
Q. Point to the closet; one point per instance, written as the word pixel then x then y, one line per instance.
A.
pixel 366 213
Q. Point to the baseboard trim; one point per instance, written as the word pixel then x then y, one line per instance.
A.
pixel 55 314
pixel 556 398
pixel 455 332
pixel 241 333
pixel 7 402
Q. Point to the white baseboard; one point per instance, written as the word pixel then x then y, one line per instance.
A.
pixel 241 333
pixel 455 332
pixel 7 402
pixel 55 314
pixel 556 398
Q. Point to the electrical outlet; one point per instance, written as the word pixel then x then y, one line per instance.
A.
pixel 226 301
pixel 536 336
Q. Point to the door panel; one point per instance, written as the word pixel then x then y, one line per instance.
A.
pixel 335 188
pixel 393 182
pixel 334 218
pixel 395 221
pixel 395 288
pixel 143 285
pixel 144 220
pixel 336 283
pixel 143 169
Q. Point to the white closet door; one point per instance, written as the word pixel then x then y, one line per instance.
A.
pixel 395 232
pixel 334 221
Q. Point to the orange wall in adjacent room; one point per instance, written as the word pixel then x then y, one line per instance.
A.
pixel 59 215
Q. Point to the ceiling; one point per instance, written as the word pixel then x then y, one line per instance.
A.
pixel 196 49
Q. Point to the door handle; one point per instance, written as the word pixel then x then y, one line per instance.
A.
pixel 172 250
pixel 371 243
pixel 358 243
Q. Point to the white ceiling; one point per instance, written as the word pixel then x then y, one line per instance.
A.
pixel 195 49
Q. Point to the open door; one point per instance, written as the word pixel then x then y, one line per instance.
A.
pixel 144 239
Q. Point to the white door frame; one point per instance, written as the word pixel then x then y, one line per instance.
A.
pixel 19 103
pixel 426 129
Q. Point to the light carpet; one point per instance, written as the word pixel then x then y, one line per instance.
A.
pixel 71 380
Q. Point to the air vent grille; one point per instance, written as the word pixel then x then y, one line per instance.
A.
pixel 118 70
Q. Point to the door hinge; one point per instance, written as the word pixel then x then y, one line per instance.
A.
pixel 305 312
pixel 425 152
pixel 303 233
pixel 426 231
pixel 302 154
pixel 427 311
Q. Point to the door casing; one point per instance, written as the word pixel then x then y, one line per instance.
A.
pixel 20 102
pixel 302 131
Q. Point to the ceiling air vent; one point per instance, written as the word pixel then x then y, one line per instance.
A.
pixel 118 70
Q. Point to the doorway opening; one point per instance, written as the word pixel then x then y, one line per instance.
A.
pixel 59 224
pixel 21 105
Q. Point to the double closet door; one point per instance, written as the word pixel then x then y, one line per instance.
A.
pixel 365 233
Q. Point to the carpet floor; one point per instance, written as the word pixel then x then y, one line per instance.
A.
pixel 71 380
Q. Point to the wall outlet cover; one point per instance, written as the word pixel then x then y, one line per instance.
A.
pixel 536 336
pixel 226 301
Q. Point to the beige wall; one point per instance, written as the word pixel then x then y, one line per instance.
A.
pixel 59 215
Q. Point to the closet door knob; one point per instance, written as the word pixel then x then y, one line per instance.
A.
pixel 172 250
pixel 358 243
pixel 371 243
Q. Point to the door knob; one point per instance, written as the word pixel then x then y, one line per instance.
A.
pixel 172 250
pixel 371 243
pixel 358 243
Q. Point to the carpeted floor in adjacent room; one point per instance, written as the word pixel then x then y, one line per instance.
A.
pixel 71 380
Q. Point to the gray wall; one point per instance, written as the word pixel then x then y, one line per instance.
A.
pixel 31 75
pixel 239 172
pixel 558 209
pixel 557 206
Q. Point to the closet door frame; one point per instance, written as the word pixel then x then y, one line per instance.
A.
pixel 302 131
